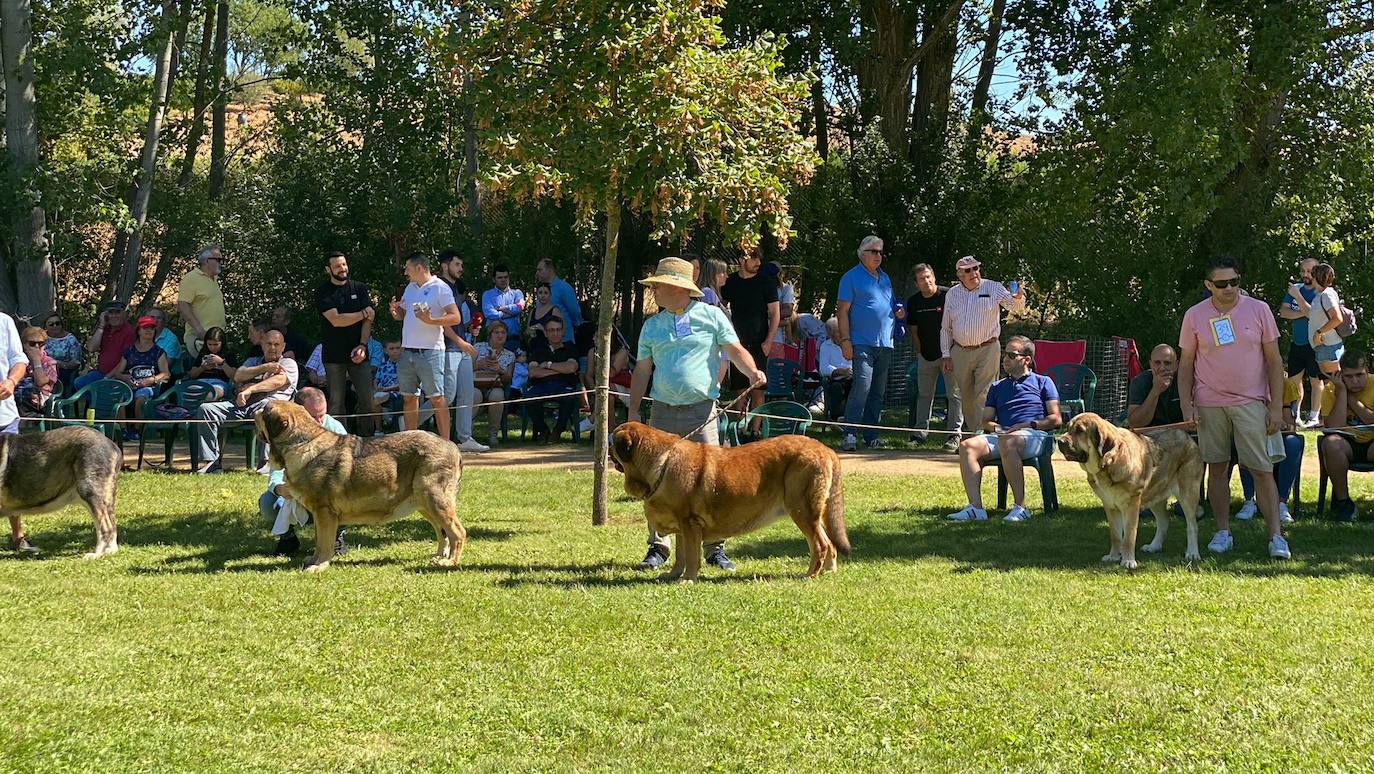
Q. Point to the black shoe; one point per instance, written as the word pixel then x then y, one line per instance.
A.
pixel 287 545
pixel 656 558
pixel 340 548
pixel 1344 510
pixel 23 546
pixel 718 558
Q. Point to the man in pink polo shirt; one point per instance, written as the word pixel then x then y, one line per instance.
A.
pixel 1230 380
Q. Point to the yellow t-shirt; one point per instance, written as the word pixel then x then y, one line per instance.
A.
pixel 202 292
pixel 1366 396
pixel 1292 389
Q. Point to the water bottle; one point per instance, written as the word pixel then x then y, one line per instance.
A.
pixel 898 324
pixel 1013 286
pixel 90 416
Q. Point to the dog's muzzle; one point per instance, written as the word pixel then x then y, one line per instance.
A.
pixel 1070 452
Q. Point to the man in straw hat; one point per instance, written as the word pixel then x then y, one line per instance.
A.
pixel 680 347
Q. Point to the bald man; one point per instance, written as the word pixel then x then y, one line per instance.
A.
pixel 1154 393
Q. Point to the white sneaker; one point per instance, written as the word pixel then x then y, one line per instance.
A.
pixel 851 442
pixel 969 513
pixel 473 445
pixel 1221 542
pixel 1278 548
pixel 1247 511
pixel 1017 513
pixel 585 426
pixel 1284 516
pixel 1313 419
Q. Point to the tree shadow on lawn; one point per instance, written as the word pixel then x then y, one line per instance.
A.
pixel 220 542
pixel 1074 540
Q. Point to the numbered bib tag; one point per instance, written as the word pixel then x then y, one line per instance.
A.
pixel 1222 332
pixel 682 326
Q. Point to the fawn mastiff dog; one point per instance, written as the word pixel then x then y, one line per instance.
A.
pixel 700 492
pixel 1127 470
pixel 42 472
pixel 344 479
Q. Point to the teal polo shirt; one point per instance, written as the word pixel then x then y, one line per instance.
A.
pixel 686 352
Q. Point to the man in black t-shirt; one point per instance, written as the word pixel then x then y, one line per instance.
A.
pixel 346 315
pixel 925 312
pixel 1153 398
pixel 553 374
pixel 752 300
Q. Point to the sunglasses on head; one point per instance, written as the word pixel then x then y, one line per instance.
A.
pixel 1226 283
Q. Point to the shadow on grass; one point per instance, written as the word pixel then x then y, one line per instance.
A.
pixel 1074 540
pixel 213 542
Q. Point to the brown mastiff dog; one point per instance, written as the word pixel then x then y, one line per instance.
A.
pixel 701 492
pixel 344 479
pixel 1127 470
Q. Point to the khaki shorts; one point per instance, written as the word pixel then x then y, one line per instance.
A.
pixel 1218 427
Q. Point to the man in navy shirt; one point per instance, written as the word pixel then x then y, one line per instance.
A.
pixel 1021 410
pixel 865 310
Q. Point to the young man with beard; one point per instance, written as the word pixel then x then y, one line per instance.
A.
pixel 346 315
pixel 752 299
pixel 459 355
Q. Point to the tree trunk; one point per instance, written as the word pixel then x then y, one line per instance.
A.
pixel 983 86
pixel 934 79
pixel 201 101
pixel 820 108
pixel 32 291
pixel 888 33
pixel 152 133
pixel 221 59
pixel 601 413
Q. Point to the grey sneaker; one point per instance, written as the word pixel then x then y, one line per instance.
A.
pixel 1221 542
pixel 656 558
pixel 23 546
pixel 952 445
pixel 1278 548
pixel 850 442
pixel 876 443
pixel 919 436
pixel 718 558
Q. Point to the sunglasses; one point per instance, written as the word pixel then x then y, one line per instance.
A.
pixel 1223 284
pixel 879 252
pixel 36 343
pixel 1009 353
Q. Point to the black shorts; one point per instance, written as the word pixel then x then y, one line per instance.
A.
pixel 1359 449
pixel 1302 359
pixel 739 381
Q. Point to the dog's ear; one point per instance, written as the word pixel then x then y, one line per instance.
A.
pixel 1106 446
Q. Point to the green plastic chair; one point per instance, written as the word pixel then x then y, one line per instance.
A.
pixel 188 395
pixel 1077 386
pixel 798 419
pixel 108 397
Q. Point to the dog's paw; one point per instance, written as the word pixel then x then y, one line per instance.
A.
pixel 1129 564
pixel 1151 548
pixel 312 566
pixel 1111 558
pixel 1192 556
pixel 442 561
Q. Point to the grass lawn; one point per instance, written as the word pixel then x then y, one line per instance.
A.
pixel 937 646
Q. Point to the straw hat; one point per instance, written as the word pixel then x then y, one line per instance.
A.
pixel 675 272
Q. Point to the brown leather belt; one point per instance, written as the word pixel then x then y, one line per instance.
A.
pixel 992 340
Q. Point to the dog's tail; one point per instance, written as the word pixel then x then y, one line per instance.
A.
pixel 834 512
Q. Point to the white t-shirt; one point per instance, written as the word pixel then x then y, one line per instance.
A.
pixel 419 335
pixel 1319 313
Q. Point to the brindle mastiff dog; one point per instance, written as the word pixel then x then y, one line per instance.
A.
pixel 700 492
pixel 42 472
pixel 344 479
pixel 1127 470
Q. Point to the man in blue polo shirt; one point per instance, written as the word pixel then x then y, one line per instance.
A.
pixel 1021 410
pixel 865 311
pixel 562 295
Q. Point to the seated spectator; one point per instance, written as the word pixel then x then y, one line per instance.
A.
pixel 386 385
pixel 376 352
pixel 260 380
pixel 112 335
pixel 281 513
pixel 255 331
pixel 836 372
pixel 1286 472
pixel 215 365
pixel 314 367
pixel 492 373
pixel 621 373
pixel 1153 394
pixel 33 391
pixel 552 374
pixel 1347 412
pixel 143 367
pixel 168 341
pixel 544 310
pixel 1020 410
pixel 63 348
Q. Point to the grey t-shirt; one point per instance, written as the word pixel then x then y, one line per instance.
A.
pixel 292 374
